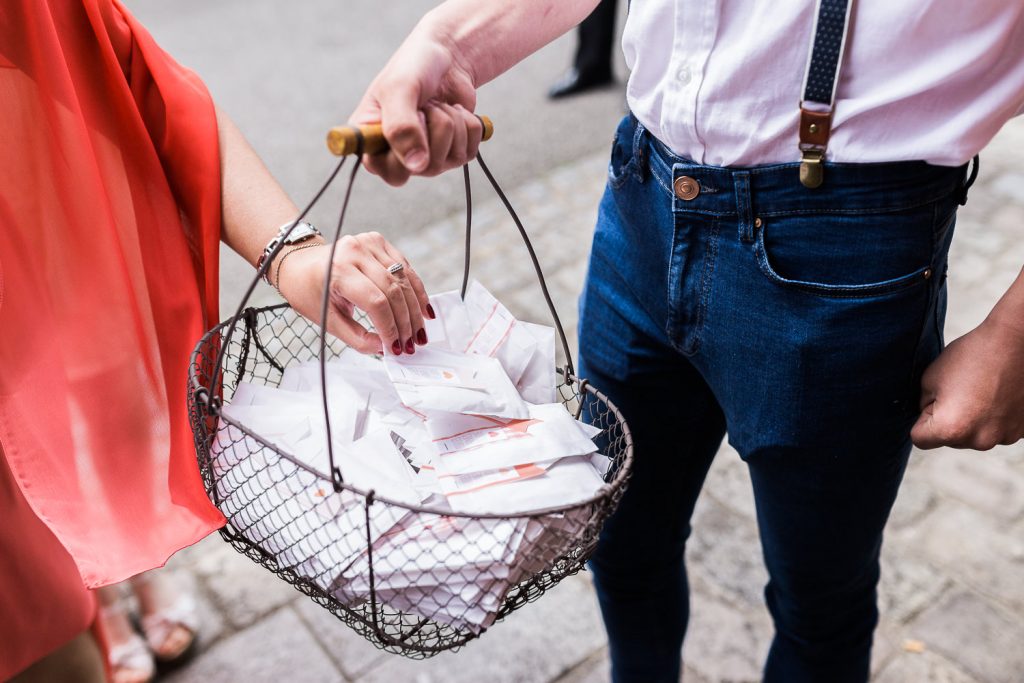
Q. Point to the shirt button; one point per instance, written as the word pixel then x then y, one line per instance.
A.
pixel 686 187
pixel 684 75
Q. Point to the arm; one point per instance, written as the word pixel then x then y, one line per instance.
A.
pixel 972 396
pixel 430 83
pixel 255 206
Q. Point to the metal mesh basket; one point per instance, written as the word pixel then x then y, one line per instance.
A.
pixel 415 580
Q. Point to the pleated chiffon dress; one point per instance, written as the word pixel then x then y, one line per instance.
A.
pixel 109 236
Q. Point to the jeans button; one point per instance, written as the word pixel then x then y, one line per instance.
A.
pixel 686 187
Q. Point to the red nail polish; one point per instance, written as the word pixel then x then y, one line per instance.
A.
pixel 396 348
pixel 430 312
pixel 409 348
pixel 421 337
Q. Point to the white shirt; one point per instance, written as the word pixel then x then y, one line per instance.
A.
pixel 719 81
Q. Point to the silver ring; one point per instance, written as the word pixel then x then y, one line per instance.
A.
pixel 396 268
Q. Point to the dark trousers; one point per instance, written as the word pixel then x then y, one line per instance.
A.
pixel 799 321
pixel 596 36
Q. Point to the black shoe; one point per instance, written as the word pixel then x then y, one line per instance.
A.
pixel 574 82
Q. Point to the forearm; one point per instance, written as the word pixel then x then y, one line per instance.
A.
pixel 1009 311
pixel 487 38
pixel 254 205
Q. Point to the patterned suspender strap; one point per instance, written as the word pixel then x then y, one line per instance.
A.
pixel 831 24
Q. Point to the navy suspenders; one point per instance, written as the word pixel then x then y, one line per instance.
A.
pixel 831 24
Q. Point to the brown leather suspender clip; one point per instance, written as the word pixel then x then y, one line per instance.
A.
pixel 815 128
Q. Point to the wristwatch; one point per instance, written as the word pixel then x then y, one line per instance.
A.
pixel 301 233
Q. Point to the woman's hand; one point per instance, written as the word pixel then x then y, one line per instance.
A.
pixel 395 303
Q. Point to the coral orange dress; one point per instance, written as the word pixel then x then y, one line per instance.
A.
pixel 109 231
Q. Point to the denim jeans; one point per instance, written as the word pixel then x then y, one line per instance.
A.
pixel 799 322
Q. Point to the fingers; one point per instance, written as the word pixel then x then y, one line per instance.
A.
pixel 924 434
pixel 436 139
pixel 419 333
pixel 418 288
pixel 394 302
pixel 344 327
pixel 405 126
pixel 442 131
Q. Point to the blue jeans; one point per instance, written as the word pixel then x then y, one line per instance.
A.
pixel 799 321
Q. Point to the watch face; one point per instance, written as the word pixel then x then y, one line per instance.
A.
pixel 302 232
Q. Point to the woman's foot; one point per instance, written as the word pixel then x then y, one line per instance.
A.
pixel 168 617
pixel 127 654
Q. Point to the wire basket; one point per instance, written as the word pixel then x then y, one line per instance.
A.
pixel 414 580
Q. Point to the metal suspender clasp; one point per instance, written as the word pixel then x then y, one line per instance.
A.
pixel 811 172
pixel 815 129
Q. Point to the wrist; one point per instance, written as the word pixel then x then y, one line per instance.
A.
pixel 312 249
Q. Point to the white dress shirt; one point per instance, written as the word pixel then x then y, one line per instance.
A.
pixel 719 81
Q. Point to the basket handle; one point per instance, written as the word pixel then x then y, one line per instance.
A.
pixel 344 140
pixel 570 371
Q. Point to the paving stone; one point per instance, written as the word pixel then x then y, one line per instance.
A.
pixel 594 669
pixel 540 642
pixel 352 653
pixel 724 643
pixel 279 648
pixel 968 630
pixel 1010 185
pixel 968 544
pixel 926 667
pixel 728 482
pixel 885 645
pixel 916 496
pixel 242 590
pixel 725 552
pixel 908 584
pixel 982 480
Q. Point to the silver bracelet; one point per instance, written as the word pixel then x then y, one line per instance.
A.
pixel 276 284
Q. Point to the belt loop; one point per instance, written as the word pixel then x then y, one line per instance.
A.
pixel 744 213
pixel 639 149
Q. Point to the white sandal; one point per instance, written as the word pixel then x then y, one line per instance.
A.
pixel 159 625
pixel 132 654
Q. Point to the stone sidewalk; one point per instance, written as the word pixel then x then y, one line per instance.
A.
pixel 952 591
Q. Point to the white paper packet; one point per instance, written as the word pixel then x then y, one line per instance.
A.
pixel 539 380
pixel 437 379
pixel 466 444
pixel 451 329
pixel 567 481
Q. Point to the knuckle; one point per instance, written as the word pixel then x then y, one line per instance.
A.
pixel 377 301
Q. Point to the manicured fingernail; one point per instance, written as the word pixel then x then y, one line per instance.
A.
pixel 409 348
pixel 416 160
pixel 421 337
pixel 396 348
pixel 430 312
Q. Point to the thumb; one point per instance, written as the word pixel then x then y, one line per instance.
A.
pixel 405 127
pixel 924 434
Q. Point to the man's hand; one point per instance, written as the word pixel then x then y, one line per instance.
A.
pixel 972 396
pixel 425 96
pixel 424 99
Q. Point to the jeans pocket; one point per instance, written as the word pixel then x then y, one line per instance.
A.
pixel 848 255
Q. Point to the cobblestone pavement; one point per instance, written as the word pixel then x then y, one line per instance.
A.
pixel 952 590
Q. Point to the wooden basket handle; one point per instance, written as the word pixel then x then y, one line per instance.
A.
pixel 342 140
